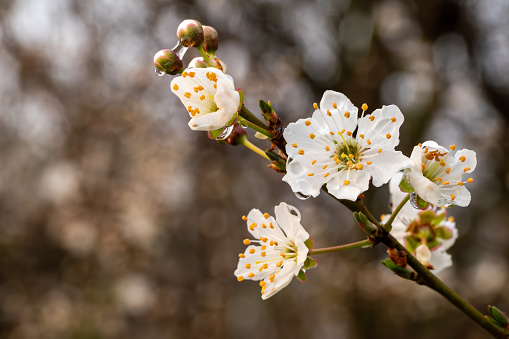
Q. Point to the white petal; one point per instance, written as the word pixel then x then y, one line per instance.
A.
pixel 290 223
pixel 359 182
pixel 440 260
pixel 338 120
pixel 385 165
pixel 282 279
pixel 423 254
pixel 381 131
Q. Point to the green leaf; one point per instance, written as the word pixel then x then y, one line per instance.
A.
pixel 400 271
pixel 301 276
pixel 405 186
pixel 499 316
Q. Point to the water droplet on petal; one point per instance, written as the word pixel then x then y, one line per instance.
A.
pixel 302 196
pixel 159 72
pixel 413 200
pixel 180 50
pixel 293 210
pixel 225 133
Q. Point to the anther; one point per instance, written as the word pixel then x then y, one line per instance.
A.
pixel 250 275
pixel 251 251
pixel 313 162
pixel 187 95
pixel 342 131
pixel 368 162
pixel 315 105
pixel 388 135
pixel 393 119
pixel 307 122
pixel 451 219
pixel 240 278
pixel 470 180
pixel 244 218
pixel 263 254
pixel 331 132
pixel 445 183
pixel 266 215
pixel 364 106
pixel 327 148
pixel 466 169
pixel 248 266
pixel 191 74
pixel 452 147
pixel 346 182
pixel 368 142
pixel 185 74
pixel 334 105
pixel 371 117
pixel 301 152
pixel 347 114
pixel 326 175
pixel 312 136
pixel 176 87
pixel 283 255
pixel 246 242
pixel 241 255
pixel 379 150
pixel 351 156
pixel 264 226
pixel 202 97
pixel 448 170
pixel 453 197
pixel 438 179
pixel 361 136
pixel 310 174
pixel 423 167
pixel 279 264
pixel 294 145
pixel 349 133
pixel 329 113
pixel 324 167
pixel 359 166
pixel 461 183
pixel 462 158
pixel 263 247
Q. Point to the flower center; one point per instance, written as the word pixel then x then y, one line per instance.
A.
pixel 432 161
pixel 348 154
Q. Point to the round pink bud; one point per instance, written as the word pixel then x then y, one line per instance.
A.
pixel 198 62
pixel 210 40
pixel 237 135
pixel 167 61
pixel 190 33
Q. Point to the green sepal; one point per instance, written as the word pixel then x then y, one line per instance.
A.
pixel 443 232
pixel 421 203
pixel 310 243
pixel 499 316
pixel 277 160
pixel 301 276
pixel 309 264
pixel 405 186
pixel 433 244
pixel 411 243
pixel 439 218
pixel 216 133
pixel 398 270
pixel 427 216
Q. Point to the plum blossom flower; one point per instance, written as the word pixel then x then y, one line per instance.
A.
pixel 209 96
pixel 337 149
pixel 428 234
pixel 281 250
pixel 436 175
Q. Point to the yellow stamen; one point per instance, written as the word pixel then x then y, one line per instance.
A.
pixel 466 169
pixel 301 152
pixel 241 255
pixel 307 122
pixel 312 136
pixel 246 242
pixel 452 147
pixel 393 119
pixel 445 183
pixel 313 162
pixel 379 150
pixel 388 135
pixel 324 167
pixel 470 180
pixel 453 197
pixel 447 170
pixel 240 278
pixel 250 275
pixel 310 174
pixel 248 266
pixel 294 145
pixel 364 106
pixel 244 218
pixel 361 136
pixel 176 87
pixel 346 182
pixel 326 175
pixel 462 158
pixel 329 113
pixel 327 148
pixel 359 167
pixel 187 95
pixel 251 251
pixel 371 117
pixel 334 105
pixel 461 183
pixel 315 106
pixel 263 254
pixel 266 215
pixel 368 162
pixel 347 114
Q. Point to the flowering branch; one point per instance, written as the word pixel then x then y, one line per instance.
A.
pixel 362 243
pixel 388 225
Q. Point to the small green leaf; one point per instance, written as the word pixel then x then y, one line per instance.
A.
pixel 499 316
pixel 301 276
pixel 400 271
pixel 405 186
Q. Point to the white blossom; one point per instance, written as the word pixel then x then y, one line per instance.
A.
pixel 280 252
pixel 436 175
pixel 337 149
pixel 209 96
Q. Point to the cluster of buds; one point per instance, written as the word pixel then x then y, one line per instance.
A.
pixel 190 33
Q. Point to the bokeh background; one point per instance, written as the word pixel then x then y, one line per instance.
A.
pixel 118 221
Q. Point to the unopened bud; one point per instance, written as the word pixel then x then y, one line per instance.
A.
pixel 423 254
pixel 210 40
pixel 167 61
pixel 398 257
pixel 198 62
pixel 190 33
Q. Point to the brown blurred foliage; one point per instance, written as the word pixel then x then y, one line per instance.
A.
pixel 118 221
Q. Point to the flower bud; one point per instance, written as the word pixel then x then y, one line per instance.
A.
pixel 210 40
pixel 167 61
pixel 190 33
pixel 198 62
pixel 237 135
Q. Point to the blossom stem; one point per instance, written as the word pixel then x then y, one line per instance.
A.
pixel 204 55
pixel 246 114
pixel 253 148
pixel 357 244
pixel 257 128
pixel 388 225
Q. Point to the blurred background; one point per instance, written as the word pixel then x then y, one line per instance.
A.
pixel 118 221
